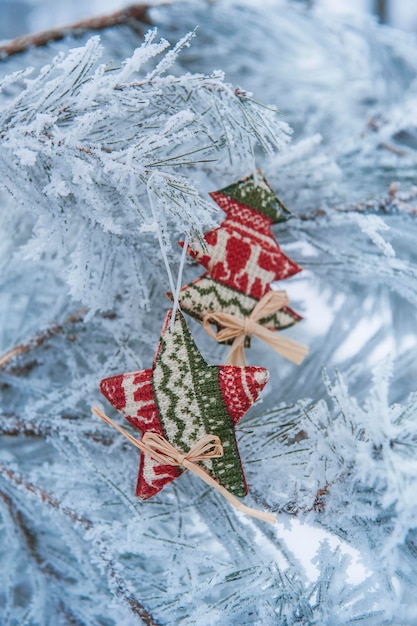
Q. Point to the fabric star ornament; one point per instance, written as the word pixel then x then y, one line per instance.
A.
pixel 182 398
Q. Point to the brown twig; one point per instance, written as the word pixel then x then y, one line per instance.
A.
pixel 394 149
pixel 136 607
pixel 320 499
pixel 395 201
pixel 131 16
pixel 45 497
pixel 70 618
pixel 30 538
pixel 13 426
pixel 39 339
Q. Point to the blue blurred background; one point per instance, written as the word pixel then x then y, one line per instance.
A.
pixel 19 17
pixel 397 13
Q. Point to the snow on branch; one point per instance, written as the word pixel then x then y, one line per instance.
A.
pixel 80 143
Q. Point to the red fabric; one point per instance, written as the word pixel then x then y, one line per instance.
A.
pixel 242 252
pixel 241 260
pixel 240 392
pixel 132 394
pixel 242 213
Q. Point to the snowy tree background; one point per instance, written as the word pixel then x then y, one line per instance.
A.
pixel 108 149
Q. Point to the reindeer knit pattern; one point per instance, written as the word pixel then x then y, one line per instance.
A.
pixel 242 259
pixel 183 398
pixel 241 256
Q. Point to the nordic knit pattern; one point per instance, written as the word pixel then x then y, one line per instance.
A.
pixel 260 197
pixel 206 295
pixel 183 398
pixel 241 256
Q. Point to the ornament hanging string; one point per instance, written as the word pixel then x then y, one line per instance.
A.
pixel 237 328
pixel 176 294
pixel 175 290
pixel 255 169
pixel 208 447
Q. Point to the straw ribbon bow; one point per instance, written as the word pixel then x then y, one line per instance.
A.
pixel 208 447
pixel 237 328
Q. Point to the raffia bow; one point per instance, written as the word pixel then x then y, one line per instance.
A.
pixel 237 328
pixel 208 447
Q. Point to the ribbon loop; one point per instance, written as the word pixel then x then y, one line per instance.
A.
pixel 249 327
pixel 208 447
pixel 237 328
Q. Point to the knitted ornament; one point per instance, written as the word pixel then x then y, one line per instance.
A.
pixel 259 197
pixel 242 258
pixel 183 399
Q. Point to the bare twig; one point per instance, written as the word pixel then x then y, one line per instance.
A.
pixel 136 607
pixel 45 497
pixel 391 148
pixel 394 202
pixel 39 339
pixel 13 426
pixel 30 538
pixel 131 16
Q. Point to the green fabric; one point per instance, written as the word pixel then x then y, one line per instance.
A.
pixel 205 295
pixel 260 198
pixel 190 404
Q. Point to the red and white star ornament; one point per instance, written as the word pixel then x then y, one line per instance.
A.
pixel 183 399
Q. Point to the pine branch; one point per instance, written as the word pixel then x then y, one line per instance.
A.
pixel 43 496
pixel 84 151
pixel 395 202
pixel 135 606
pixel 35 342
pixel 99 158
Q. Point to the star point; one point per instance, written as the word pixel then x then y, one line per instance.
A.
pixel 183 398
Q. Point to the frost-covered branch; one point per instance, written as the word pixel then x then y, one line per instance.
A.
pixel 107 151
pixel 83 145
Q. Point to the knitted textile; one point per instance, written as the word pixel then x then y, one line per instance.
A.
pixel 259 197
pixel 241 256
pixel 183 398
pixel 205 295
